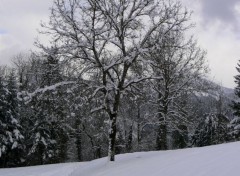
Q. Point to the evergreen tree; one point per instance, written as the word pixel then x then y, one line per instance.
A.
pixel 48 138
pixel 212 130
pixel 235 123
pixel 10 129
pixel 234 128
pixel 180 137
pixel 236 104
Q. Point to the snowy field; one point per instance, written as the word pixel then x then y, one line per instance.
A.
pixel 219 160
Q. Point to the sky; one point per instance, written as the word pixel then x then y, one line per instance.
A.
pixel 217 31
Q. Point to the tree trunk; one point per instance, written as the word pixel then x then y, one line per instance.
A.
pixel 129 140
pixel 138 129
pixel 5 160
pixel 98 152
pixel 112 137
pixel 79 144
pixel 161 141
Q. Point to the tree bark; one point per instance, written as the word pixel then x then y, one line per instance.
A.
pixel 112 137
pixel 161 141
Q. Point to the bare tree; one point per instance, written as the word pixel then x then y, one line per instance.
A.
pixel 181 64
pixel 106 38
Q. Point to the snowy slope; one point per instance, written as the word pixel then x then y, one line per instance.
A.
pixel 219 160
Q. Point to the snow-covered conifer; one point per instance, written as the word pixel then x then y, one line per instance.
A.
pixel 10 129
pixel 211 130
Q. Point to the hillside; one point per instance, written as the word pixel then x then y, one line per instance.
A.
pixel 219 160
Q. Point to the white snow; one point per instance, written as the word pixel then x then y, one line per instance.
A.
pixel 47 88
pixel 218 160
pixel 45 170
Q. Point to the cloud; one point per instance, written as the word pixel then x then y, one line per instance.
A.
pixel 19 21
pixel 9 47
pixel 223 54
pixel 217 31
pixel 223 11
pixel 2 31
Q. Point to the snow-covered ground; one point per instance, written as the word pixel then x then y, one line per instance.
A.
pixel 219 160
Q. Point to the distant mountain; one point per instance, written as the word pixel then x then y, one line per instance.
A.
pixel 228 91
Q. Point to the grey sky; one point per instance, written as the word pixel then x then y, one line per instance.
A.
pixel 223 10
pixel 19 20
pixel 217 31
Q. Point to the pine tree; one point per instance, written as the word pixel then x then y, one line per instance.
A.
pixel 3 123
pixel 212 130
pixel 180 137
pixel 205 132
pixel 235 123
pixel 234 128
pixel 236 104
pixel 10 129
pixel 49 137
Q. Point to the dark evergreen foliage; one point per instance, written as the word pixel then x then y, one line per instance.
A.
pixel 180 137
pixel 236 104
pixel 211 130
pixel 11 137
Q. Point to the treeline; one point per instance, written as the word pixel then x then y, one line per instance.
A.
pixel 115 77
pixel 46 117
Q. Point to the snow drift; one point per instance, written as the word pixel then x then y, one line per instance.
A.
pixel 218 160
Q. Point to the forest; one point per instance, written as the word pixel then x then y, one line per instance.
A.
pixel 116 76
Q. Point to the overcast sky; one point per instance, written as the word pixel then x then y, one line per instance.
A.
pixel 217 30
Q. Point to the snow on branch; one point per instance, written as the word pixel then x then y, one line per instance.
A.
pixel 47 88
pixel 137 80
pixel 97 109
